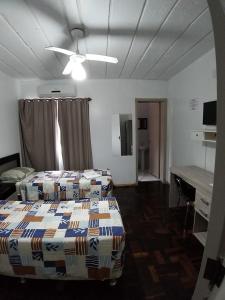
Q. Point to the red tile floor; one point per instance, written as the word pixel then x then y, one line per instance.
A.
pixel 159 263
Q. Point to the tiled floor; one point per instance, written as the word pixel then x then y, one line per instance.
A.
pixel 145 176
pixel 159 264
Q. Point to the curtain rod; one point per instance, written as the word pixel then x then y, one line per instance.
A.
pixel 56 98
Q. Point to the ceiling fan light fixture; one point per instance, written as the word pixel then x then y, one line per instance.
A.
pixel 77 58
pixel 68 68
pixel 74 65
pixel 78 72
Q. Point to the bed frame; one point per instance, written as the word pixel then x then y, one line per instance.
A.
pixel 6 163
pixel 6 189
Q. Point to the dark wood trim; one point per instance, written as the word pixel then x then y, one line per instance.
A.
pixel 125 185
pixel 7 188
pixel 9 158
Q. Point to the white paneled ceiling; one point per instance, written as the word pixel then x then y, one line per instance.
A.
pixel 152 39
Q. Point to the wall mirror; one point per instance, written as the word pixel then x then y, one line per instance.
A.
pixel 122 142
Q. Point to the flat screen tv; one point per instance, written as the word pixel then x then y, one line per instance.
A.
pixel 209 113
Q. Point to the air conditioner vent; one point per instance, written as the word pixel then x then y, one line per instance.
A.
pixel 57 90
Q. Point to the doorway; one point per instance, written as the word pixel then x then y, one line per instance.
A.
pixel 151 139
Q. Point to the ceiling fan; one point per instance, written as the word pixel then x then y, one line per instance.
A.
pixel 74 65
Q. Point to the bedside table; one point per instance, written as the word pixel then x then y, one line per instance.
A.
pixel 6 189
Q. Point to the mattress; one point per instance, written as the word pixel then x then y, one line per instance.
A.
pixel 64 185
pixel 79 240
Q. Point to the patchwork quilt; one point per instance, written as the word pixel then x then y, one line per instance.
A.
pixel 80 239
pixel 64 185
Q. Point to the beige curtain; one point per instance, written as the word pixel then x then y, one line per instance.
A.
pixel 73 117
pixel 37 128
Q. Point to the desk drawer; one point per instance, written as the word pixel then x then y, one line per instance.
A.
pixel 202 204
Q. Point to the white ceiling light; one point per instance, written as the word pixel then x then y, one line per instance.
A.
pixel 74 65
pixel 78 72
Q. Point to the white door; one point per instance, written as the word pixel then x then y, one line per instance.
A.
pixel 215 244
pixel 218 293
pixel 154 138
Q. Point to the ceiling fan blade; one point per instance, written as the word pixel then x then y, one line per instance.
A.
pixel 68 68
pixel 103 58
pixel 64 51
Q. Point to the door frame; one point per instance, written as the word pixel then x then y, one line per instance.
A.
pixel 215 244
pixel 163 154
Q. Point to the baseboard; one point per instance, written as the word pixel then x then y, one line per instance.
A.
pixel 126 184
pixel 136 184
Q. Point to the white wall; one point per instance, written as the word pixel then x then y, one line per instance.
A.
pixel 109 97
pixel 197 81
pixel 9 133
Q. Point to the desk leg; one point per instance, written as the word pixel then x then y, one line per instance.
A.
pixel 186 219
pixel 174 193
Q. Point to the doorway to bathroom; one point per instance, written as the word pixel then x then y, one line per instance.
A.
pixel 151 122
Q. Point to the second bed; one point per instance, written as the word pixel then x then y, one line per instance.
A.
pixel 65 185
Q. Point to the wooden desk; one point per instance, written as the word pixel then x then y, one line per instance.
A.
pixel 202 181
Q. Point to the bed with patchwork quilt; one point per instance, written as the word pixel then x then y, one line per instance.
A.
pixel 65 185
pixel 80 239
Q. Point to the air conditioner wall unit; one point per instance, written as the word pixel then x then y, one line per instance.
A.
pixel 55 90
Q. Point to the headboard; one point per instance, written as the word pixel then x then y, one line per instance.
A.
pixel 9 162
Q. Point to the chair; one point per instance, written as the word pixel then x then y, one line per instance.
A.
pixel 187 193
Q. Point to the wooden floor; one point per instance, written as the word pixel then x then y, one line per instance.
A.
pixel 159 263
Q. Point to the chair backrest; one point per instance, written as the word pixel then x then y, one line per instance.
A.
pixel 186 189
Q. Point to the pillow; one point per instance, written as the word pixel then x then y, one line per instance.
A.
pixel 12 175
pixel 16 174
pixel 27 171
